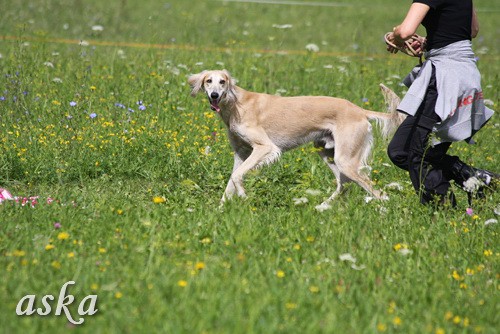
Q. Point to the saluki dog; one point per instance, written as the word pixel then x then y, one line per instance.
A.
pixel 262 126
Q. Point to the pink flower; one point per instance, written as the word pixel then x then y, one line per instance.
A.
pixel 469 211
pixel 57 225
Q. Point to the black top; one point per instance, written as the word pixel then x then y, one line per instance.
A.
pixel 448 21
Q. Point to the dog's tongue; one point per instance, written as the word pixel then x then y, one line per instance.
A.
pixel 214 106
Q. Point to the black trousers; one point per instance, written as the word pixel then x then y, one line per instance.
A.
pixel 430 167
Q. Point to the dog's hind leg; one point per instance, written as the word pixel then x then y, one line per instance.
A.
pixel 327 154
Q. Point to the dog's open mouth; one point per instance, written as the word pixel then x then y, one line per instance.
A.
pixel 214 104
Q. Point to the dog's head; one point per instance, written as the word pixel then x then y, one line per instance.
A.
pixel 218 85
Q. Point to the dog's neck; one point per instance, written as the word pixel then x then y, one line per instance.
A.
pixel 229 107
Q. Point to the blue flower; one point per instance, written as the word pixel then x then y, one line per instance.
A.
pixel 93 115
pixel 72 103
pixel 142 107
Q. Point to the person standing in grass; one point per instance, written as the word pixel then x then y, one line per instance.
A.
pixel 444 101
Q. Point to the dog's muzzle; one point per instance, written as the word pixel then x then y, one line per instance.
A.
pixel 214 99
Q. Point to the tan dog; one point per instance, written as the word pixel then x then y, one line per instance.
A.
pixel 262 126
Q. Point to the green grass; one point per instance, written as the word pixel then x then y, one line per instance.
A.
pixel 260 265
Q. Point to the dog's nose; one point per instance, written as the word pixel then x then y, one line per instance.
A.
pixel 214 95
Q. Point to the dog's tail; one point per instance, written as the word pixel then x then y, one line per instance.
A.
pixel 389 121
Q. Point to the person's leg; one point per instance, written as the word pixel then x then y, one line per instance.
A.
pixel 410 150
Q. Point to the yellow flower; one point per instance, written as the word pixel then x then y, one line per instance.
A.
pixel 310 238
pixel 49 247
pixel 448 315
pixel 291 306
pixel 280 273
pixel 102 250
pixel 71 255
pixel 439 331
pixel 118 295
pixel 56 264
pixel 158 200
pixel 488 252
pixel 456 319
pixel 18 253
pixel 119 212
pixel 199 266
pixel 206 240
pixel 397 321
pixel 381 327
pixel 314 289
pixel 63 236
pixel 182 283
pixel 94 287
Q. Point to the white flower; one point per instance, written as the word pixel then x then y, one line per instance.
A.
pixel 488 102
pixel 356 267
pixel 472 184
pixel 48 64
pixel 368 199
pixel 282 26
pixel 323 207
pixel 97 28
pixel 347 257
pixel 313 192
pixel 312 47
pixel 394 185
pixel 84 43
pixel 300 200
pixel 490 222
pixel 57 80
pixel 208 149
pixel 405 251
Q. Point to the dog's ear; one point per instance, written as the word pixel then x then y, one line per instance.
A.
pixel 196 82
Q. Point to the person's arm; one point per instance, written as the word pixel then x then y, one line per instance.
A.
pixel 410 24
pixel 475 23
pixel 408 27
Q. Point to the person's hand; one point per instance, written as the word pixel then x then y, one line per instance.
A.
pixel 395 41
pixel 418 44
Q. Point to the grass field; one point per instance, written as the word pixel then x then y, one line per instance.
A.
pixel 97 122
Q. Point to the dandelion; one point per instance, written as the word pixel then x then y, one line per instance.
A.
pixel 56 264
pixel 182 283
pixel 118 295
pixel 199 266
pixel 206 241
pixel 102 250
pixel 396 321
pixel 314 289
pixel 456 319
pixel 280 274
pixel 18 253
pixel 158 200
pixel 439 331
pixel 63 236
pixel 488 252
pixel 94 287
pixel 448 315
pixel 71 255
pixel 381 327
pixel 291 306
pixel 49 247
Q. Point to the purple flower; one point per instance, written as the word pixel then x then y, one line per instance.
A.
pixel 93 115
pixel 2 98
pixel 72 103
pixel 57 225
pixel 142 107
pixel 119 105
pixel 364 99
pixel 131 110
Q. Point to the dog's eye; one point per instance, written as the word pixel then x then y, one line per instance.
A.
pixel 209 80
pixel 222 82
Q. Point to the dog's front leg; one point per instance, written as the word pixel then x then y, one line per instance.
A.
pixel 260 154
pixel 240 155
